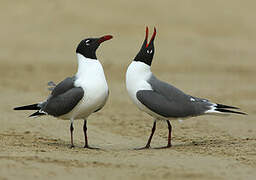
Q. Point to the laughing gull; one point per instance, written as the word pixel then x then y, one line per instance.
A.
pixel 81 95
pixel 161 100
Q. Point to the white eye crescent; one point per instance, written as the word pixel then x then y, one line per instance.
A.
pixel 87 42
pixel 149 52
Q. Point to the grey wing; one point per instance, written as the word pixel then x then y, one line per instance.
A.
pixel 170 92
pixel 169 108
pixel 63 103
pixel 174 94
pixel 63 86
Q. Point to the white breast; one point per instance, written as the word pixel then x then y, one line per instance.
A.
pixel 90 76
pixel 137 75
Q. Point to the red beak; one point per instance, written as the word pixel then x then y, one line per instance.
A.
pixel 152 38
pixel 105 38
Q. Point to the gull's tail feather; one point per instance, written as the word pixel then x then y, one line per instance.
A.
pixel 223 109
pixel 37 113
pixel 28 107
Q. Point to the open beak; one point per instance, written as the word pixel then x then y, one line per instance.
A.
pixel 152 38
pixel 104 38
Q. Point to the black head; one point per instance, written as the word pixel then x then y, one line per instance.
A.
pixel 147 50
pixel 88 47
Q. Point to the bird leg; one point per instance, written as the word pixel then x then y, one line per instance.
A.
pixel 71 133
pixel 150 137
pixel 85 136
pixel 170 134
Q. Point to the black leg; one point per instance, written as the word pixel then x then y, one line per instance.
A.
pixel 85 136
pixel 71 132
pixel 150 137
pixel 170 134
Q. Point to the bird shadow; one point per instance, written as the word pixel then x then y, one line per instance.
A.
pixel 58 143
pixel 66 145
pixel 194 143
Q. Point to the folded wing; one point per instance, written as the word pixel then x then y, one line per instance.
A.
pixel 165 107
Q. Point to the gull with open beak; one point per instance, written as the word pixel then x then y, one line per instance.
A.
pixel 161 100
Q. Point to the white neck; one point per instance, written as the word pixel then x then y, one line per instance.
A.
pixel 89 71
pixel 139 71
pixel 84 64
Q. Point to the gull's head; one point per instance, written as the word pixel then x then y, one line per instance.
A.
pixel 147 50
pixel 87 47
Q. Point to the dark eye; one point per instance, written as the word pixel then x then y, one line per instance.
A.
pixel 87 42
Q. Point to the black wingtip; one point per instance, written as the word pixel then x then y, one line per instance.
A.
pixel 230 111
pixel 225 106
pixel 28 107
pixel 37 113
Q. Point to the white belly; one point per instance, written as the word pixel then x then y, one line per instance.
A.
pixel 90 103
pixel 94 99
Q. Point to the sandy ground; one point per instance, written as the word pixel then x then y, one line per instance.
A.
pixel 206 48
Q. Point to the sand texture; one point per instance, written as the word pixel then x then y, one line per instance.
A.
pixel 205 48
